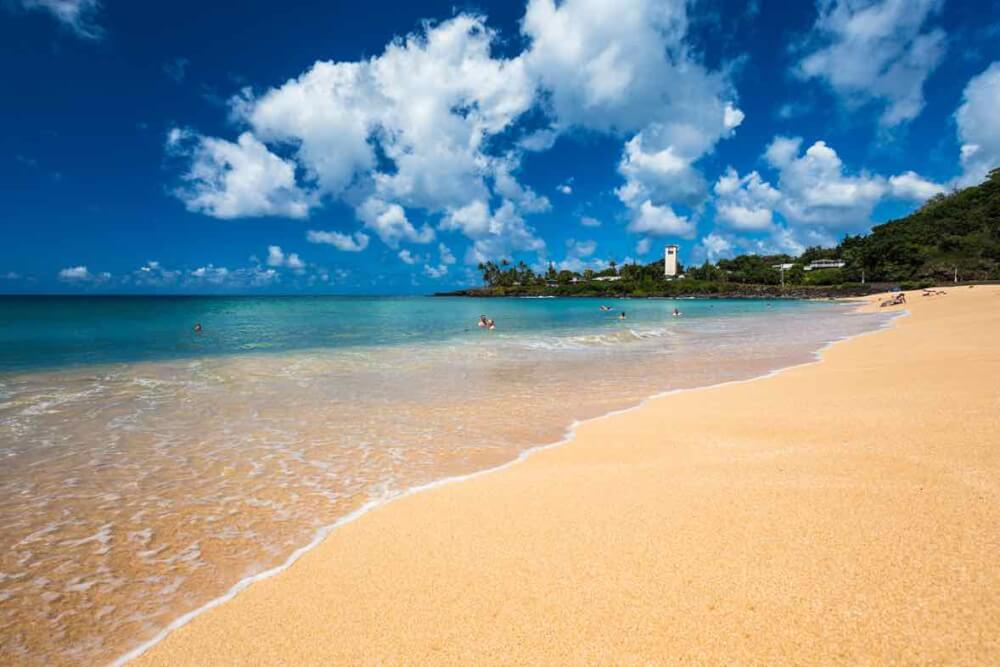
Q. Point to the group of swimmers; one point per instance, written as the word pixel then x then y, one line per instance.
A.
pixel 486 323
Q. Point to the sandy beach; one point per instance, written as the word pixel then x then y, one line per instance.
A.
pixel 841 512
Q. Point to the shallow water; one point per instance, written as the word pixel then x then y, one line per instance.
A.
pixel 145 469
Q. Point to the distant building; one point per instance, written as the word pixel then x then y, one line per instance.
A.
pixel 607 279
pixel 826 264
pixel 783 267
pixel 670 261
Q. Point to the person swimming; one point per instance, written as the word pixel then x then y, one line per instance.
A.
pixel 486 323
pixel 197 327
pixel 677 312
pixel 605 308
pixel 622 316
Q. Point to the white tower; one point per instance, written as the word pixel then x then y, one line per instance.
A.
pixel 670 261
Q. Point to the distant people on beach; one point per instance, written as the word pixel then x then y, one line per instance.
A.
pixel 897 300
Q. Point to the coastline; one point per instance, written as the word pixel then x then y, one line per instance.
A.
pixel 230 632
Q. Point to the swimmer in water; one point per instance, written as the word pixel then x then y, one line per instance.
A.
pixel 677 312
pixel 483 321
pixel 622 316
pixel 197 327
pixel 605 308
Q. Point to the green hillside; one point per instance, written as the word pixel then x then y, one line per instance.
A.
pixel 956 231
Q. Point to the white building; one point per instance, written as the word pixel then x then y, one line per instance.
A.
pixel 825 264
pixel 670 261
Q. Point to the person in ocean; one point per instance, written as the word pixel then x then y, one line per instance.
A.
pixel 605 308
pixel 622 316
pixel 483 321
pixel 197 327
pixel 677 312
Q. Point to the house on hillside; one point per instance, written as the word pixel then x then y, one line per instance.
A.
pixel 825 264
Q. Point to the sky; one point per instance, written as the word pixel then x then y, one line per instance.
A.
pixel 390 147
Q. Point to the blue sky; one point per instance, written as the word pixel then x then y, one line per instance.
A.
pixel 388 147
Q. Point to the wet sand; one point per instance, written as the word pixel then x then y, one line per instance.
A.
pixel 846 511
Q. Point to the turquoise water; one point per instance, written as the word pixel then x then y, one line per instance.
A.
pixel 145 469
pixel 50 332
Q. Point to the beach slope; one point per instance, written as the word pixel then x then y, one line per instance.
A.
pixel 846 511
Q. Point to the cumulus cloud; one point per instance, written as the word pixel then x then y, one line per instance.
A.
pixel 411 133
pixel 815 190
pixel 408 257
pixel 447 259
pixel 276 257
pixel 876 51
pixel 745 203
pixel 347 242
pixel 978 120
pixel 643 245
pixel 236 180
pixel 624 68
pixel 81 274
pixel 80 16
pixel 660 221
pixel 912 186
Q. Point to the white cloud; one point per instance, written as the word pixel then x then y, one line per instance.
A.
pixel 389 222
pixel 579 256
pixel 408 257
pixel 876 50
pixel 715 247
pixel 447 259
pixel 643 245
pixel 912 186
pixel 745 203
pixel 590 222
pixel 152 274
pixel 978 120
pixel 412 129
pixel 446 255
pixel 429 102
pixel 80 274
pixel 816 191
pixel 276 257
pixel 347 242
pixel 211 274
pixel 438 271
pixel 660 221
pixel 77 15
pixel 565 189
pixel 236 180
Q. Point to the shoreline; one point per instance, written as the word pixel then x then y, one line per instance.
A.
pixel 152 649
pixel 568 437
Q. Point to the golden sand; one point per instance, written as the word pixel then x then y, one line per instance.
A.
pixel 846 511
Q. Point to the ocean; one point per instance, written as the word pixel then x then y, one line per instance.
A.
pixel 146 468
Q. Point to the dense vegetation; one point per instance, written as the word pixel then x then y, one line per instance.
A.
pixel 954 235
